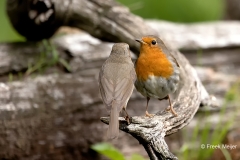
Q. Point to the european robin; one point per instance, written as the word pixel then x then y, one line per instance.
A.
pixel 157 71
pixel 116 83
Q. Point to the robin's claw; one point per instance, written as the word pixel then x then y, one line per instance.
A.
pixel 127 119
pixel 149 115
pixel 174 113
pixel 170 109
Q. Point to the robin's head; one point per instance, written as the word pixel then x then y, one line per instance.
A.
pixel 121 49
pixel 152 44
pixel 151 41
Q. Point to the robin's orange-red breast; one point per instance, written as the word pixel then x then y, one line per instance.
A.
pixel 116 83
pixel 157 71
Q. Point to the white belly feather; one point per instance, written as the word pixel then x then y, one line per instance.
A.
pixel 157 87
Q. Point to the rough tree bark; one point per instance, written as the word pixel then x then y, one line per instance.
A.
pixel 106 20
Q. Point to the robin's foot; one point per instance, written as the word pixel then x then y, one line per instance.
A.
pixel 149 115
pixel 170 109
pixel 127 119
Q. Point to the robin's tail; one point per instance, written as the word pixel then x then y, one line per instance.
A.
pixel 113 129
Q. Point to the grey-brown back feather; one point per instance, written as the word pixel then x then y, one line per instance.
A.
pixel 113 129
pixel 116 80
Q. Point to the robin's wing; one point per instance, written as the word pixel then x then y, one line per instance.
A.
pixel 106 89
pixel 119 91
pixel 174 59
pixel 167 51
pixel 133 75
pixel 123 90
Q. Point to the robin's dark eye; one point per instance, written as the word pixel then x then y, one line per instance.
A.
pixel 154 42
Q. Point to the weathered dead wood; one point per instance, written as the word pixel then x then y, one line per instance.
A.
pixel 50 117
pixel 16 57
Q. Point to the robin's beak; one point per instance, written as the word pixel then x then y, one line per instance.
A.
pixel 139 40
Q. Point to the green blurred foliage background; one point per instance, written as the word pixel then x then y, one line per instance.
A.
pixel 7 33
pixel 177 10
pixel 186 11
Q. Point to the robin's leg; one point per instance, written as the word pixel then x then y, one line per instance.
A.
pixel 127 116
pixel 147 114
pixel 170 108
